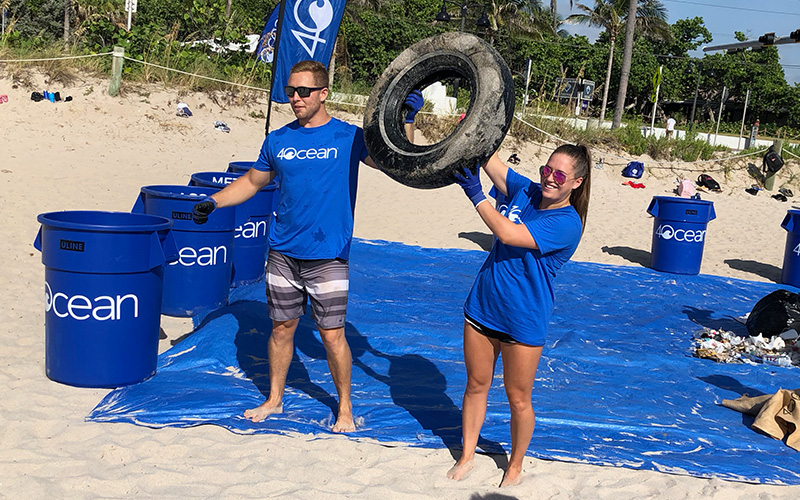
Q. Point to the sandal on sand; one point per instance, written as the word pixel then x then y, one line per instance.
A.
pixel 751 190
pixel 222 126
pixel 779 197
pixel 786 192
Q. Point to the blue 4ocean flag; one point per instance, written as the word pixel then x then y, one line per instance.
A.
pixel 266 44
pixel 308 31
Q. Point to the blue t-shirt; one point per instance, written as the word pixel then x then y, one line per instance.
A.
pixel 317 171
pixel 513 292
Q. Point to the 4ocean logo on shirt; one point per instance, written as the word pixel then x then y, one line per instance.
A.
pixel 512 214
pixel 290 153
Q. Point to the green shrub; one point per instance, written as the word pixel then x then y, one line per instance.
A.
pixel 631 139
pixel 692 149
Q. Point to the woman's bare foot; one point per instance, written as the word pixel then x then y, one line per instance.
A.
pixel 512 477
pixel 263 411
pixel 460 470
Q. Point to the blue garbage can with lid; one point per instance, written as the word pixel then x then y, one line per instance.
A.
pixel 199 280
pixel 253 219
pixel 790 275
pixel 103 284
pixel 679 233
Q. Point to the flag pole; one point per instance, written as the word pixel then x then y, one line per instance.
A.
pixel 274 63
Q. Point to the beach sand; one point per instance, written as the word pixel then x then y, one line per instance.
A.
pixel 95 152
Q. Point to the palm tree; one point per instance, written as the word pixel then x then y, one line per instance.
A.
pixel 67 7
pixel 611 15
pixel 627 57
pixel 554 10
pixel 521 17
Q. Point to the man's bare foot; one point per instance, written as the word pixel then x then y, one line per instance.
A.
pixel 344 423
pixel 512 477
pixel 263 411
pixel 460 471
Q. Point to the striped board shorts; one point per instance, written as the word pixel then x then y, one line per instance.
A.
pixel 292 282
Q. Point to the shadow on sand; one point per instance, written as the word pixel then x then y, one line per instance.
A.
pixel 630 254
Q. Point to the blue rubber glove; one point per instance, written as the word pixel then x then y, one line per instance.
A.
pixel 415 102
pixel 203 209
pixel 471 184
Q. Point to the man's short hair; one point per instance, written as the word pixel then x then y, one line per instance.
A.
pixel 316 68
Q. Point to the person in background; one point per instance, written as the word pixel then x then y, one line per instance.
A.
pixel 670 126
pixel 316 159
pixel 508 309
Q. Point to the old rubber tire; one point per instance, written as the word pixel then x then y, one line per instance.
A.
pixel 491 107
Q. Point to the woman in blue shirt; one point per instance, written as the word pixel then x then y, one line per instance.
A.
pixel 508 309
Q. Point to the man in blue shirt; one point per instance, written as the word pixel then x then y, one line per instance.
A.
pixel 316 160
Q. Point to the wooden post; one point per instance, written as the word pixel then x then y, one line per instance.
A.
pixel 116 71
pixel 769 178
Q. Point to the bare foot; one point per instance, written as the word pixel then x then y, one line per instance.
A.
pixel 344 423
pixel 512 477
pixel 460 471
pixel 263 411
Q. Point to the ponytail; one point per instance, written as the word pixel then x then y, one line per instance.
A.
pixel 579 198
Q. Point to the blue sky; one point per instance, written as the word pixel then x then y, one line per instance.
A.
pixel 722 18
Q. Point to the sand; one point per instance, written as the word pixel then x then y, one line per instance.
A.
pixel 95 152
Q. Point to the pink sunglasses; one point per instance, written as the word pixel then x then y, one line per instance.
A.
pixel 558 176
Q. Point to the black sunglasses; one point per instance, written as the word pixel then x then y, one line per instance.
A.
pixel 301 91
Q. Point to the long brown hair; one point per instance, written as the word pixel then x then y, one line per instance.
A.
pixel 579 198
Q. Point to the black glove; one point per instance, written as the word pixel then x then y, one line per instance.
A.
pixel 201 211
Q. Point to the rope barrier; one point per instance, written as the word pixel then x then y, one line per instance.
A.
pixel 54 58
pixel 787 151
pixel 196 75
pixel 540 130
pixel 671 164
pixel 713 160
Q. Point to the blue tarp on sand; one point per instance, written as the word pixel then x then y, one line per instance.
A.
pixel 617 384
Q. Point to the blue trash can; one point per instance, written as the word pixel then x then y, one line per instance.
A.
pixel 253 218
pixel 679 233
pixel 199 280
pixel 791 254
pixel 240 166
pixel 103 284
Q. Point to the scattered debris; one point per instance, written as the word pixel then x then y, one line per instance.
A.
pixel 183 110
pixel 728 347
